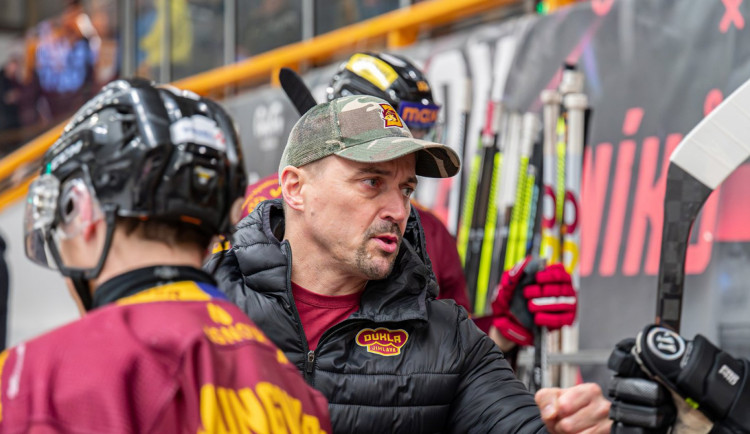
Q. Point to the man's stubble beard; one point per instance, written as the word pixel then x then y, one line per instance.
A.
pixel 363 259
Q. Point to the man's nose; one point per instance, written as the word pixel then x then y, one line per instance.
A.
pixel 395 208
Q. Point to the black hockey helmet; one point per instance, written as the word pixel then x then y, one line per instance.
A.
pixel 394 79
pixel 139 151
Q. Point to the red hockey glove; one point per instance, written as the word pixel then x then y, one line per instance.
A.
pixel 545 298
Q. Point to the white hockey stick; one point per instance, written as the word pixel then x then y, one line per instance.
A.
pixel 703 160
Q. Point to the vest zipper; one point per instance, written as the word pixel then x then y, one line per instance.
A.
pixel 310 363
pixel 310 358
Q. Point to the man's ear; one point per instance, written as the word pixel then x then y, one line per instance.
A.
pixel 292 179
pixel 235 212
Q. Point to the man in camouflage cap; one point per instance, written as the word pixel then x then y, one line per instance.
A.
pixel 365 129
pixel 334 273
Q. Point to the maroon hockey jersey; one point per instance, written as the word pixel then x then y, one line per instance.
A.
pixel 172 358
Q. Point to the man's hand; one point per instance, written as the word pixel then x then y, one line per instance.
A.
pixel 700 377
pixel 581 408
pixel 531 295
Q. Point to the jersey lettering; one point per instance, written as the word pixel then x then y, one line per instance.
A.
pixel 267 409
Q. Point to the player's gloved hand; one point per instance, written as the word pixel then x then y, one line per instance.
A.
pixel 639 404
pixel 532 294
pixel 700 377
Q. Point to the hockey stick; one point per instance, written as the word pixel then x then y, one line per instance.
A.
pixel 464 128
pixel 709 153
pixel 488 241
pixel 296 90
pixel 483 206
pixel 522 206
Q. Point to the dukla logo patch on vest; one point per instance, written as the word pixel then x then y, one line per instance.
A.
pixel 390 116
pixel 382 341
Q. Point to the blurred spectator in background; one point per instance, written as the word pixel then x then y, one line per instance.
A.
pixel 11 94
pixel 334 14
pixel 150 32
pixel 60 55
pixel 104 23
pixel 58 64
pixel 372 8
pixel 268 24
pixel 11 91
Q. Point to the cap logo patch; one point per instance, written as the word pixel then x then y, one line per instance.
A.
pixel 382 341
pixel 422 86
pixel 390 116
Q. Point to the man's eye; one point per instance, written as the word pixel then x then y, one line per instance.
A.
pixel 407 191
pixel 372 182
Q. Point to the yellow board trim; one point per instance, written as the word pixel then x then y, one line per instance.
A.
pixel 399 27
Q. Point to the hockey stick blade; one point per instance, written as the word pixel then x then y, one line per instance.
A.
pixel 704 159
pixel 296 90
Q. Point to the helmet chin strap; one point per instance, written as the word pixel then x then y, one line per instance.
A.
pixel 81 277
pixel 83 289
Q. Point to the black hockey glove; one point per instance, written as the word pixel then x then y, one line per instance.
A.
pixel 639 404
pixel 699 375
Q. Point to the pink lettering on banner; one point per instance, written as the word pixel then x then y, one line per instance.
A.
pixel 593 197
pixel 635 206
pixel 602 7
pixel 731 16
pixel 713 99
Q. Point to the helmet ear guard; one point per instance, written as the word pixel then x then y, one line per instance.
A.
pixel 79 210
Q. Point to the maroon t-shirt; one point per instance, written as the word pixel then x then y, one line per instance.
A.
pixel 318 312
pixel 168 359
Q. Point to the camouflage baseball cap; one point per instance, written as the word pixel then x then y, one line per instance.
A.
pixel 365 129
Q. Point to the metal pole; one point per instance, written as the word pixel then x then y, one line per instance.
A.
pixel 127 27
pixel 165 66
pixel 230 31
pixel 308 19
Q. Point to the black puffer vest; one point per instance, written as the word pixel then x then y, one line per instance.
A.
pixel 405 362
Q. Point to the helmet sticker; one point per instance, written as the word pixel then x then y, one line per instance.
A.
pixel 181 92
pixel 418 115
pixel 65 155
pixel 422 86
pixel 199 130
pixel 373 70
pixel 390 116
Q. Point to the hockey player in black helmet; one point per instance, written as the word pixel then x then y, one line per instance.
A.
pixel 394 79
pixel 143 153
pixel 125 206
